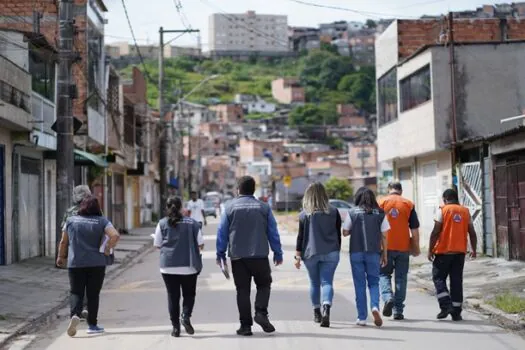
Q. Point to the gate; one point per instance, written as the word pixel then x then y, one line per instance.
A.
pixel 509 183
pixel 470 187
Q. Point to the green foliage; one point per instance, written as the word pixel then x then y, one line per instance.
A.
pixel 313 114
pixel 509 303
pixel 257 116
pixel 339 189
pixel 329 48
pixel 370 23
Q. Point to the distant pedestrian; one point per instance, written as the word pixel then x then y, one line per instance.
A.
pixel 367 225
pixel 246 228
pixel 447 249
pixel 87 242
pixel 196 208
pixel 402 240
pixel 319 246
pixel 180 242
pixel 80 192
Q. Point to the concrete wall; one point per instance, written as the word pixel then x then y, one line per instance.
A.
pixel 386 48
pixel 5 140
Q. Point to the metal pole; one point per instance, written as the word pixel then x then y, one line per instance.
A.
pixel 65 144
pixel 163 131
pixel 190 164
pixel 452 86
pixel 286 198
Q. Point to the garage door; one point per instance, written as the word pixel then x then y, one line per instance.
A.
pixel 29 201
pixel 405 178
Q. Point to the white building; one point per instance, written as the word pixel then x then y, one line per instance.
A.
pixel 255 104
pixel 247 33
pixel 196 113
pixel 414 107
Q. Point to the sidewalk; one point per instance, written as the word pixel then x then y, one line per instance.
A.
pixel 34 289
pixel 484 280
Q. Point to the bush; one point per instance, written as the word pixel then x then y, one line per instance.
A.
pixel 339 189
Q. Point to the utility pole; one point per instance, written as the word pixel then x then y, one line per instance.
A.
pixel 166 132
pixel 190 163
pixel 452 87
pixel 65 144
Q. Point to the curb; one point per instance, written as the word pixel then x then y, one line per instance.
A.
pixel 508 321
pixel 50 315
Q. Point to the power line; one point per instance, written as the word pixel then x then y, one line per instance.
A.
pixel 135 42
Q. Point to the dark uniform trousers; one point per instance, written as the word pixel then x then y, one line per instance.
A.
pixel 449 265
pixel 243 271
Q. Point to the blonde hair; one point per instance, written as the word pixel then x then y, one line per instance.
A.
pixel 316 199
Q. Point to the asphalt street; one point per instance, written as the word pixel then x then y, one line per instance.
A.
pixel 134 313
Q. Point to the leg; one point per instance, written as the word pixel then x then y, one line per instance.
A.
pixel 456 285
pixel 402 264
pixel 172 283
pixel 189 287
pixel 357 261
pixel 77 285
pixel 262 275
pixel 243 279
pixel 373 266
pixel 327 268
pixel 385 283
pixel 440 272
pixel 312 266
pixel 95 280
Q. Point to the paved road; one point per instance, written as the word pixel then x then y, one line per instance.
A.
pixel 134 313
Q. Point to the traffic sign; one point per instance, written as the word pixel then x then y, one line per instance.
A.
pixel 287 181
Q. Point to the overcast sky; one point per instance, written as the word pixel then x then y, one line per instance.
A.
pixel 148 15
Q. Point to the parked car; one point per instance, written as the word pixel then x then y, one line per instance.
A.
pixel 342 206
pixel 210 209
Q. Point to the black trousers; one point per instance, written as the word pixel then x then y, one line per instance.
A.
pixel 88 280
pixel 174 284
pixel 449 265
pixel 243 271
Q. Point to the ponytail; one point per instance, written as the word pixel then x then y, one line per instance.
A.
pixel 174 206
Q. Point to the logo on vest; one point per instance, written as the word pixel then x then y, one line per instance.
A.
pixel 394 213
pixel 457 218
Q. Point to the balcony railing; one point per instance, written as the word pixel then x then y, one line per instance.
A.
pixel 43 112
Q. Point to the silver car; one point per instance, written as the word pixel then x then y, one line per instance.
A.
pixel 342 206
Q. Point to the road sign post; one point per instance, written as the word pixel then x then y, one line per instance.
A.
pixel 287 180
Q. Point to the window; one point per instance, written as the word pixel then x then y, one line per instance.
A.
pixel 387 97
pixel 415 89
pixel 43 75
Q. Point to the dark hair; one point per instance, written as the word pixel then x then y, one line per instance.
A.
pixel 90 207
pixel 450 196
pixel 193 192
pixel 174 206
pixel 395 186
pixel 246 185
pixel 366 199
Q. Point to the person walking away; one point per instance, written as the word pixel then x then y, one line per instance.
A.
pixel 196 208
pixel 180 242
pixel 319 246
pixel 246 229
pixel 83 238
pixel 447 251
pixel 79 194
pixel 402 240
pixel 367 225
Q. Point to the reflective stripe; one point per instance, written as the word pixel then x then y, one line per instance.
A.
pixel 363 228
pixel 455 304
pixel 442 295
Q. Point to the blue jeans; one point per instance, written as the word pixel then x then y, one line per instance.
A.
pixel 398 263
pixel 321 269
pixel 365 268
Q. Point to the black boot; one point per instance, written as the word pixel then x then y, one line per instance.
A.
pixel 325 319
pixel 317 315
pixel 263 321
pixel 245 331
pixel 187 325
pixel 444 313
pixel 175 332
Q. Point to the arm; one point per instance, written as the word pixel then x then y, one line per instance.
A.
pixel 113 237
pixel 338 224
pixel 300 238
pixel 200 238
pixel 223 237
pixel 62 249
pixel 434 236
pixel 157 241
pixel 202 212
pixel 385 227
pixel 473 239
pixel 347 225
pixel 274 239
pixel 413 224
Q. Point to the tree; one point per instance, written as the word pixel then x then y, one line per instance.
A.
pixel 339 189
pixel 370 23
pixel 312 114
pixel 329 48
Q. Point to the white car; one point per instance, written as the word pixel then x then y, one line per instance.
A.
pixel 342 206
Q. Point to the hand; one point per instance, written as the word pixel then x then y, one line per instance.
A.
pixel 297 263
pixel 384 260
pixel 430 256
pixel 61 262
pixel 278 261
pixel 205 222
pixel 416 252
pixel 107 251
pixel 473 255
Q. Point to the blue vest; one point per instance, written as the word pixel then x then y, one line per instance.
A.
pixel 180 246
pixel 86 234
pixel 366 232
pixel 320 233
pixel 248 229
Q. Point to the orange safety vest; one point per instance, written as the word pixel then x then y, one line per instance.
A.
pixel 454 233
pixel 397 210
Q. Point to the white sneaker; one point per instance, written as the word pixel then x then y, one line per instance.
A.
pixel 360 323
pixel 73 324
pixel 378 321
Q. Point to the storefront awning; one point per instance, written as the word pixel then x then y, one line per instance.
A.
pixel 86 158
